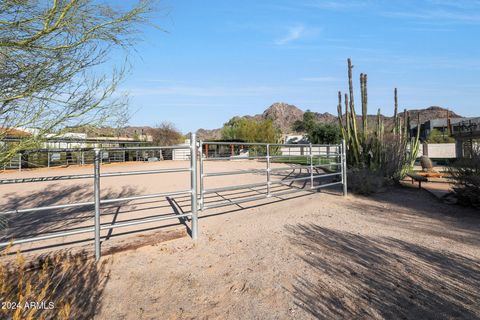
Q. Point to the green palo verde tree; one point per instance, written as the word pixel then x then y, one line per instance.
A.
pixel 389 153
pixel 50 51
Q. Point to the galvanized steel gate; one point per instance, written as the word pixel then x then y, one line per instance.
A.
pixel 305 157
pixel 271 154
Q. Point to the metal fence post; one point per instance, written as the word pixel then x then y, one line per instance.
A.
pixel 193 178
pixel 96 190
pixel 311 167
pixel 344 167
pixel 200 154
pixel 20 162
pixel 268 172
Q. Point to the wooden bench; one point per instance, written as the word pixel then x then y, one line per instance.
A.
pixel 418 178
pixel 431 174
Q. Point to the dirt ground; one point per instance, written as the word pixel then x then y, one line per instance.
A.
pixel 398 255
pixel 55 192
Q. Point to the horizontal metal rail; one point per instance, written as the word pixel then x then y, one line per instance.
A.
pixel 328 185
pixel 260 184
pixel 89 176
pixel 315 155
pixel 147 196
pixel 132 173
pixel 234 202
pixel 229 157
pixel 145 220
pixel 179 147
pixel 45 179
pixel 55 207
pixel 254 198
pixel 235 158
pixel 292 145
pixel 303 167
pixel 306 178
pixel 227 173
pixel 237 187
pixel 90 203
pixel 48 236
pixel 91 229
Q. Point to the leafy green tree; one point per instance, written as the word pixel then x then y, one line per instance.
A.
pixel 307 123
pixel 324 134
pixel 437 136
pixel 250 130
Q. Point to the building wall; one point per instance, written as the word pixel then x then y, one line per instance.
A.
pixel 439 150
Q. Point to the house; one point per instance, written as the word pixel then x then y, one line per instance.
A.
pixel 441 125
pixel 467 136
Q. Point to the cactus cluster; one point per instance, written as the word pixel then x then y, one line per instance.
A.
pixel 391 152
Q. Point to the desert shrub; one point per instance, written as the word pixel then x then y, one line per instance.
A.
pixel 466 176
pixel 364 181
pixel 61 286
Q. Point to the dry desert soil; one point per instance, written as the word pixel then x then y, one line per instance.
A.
pixel 400 254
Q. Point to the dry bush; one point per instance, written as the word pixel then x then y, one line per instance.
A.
pixel 466 175
pixel 381 168
pixel 365 182
pixel 62 286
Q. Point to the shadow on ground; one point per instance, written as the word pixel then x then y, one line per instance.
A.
pixel 30 224
pixel 73 284
pixel 354 276
pixel 418 211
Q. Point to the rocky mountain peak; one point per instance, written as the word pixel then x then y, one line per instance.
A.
pixel 283 115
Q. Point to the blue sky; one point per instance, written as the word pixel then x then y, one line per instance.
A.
pixel 218 59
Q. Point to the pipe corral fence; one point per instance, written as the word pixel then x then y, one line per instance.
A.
pixel 319 166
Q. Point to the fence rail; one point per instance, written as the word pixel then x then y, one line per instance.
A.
pixel 270 154
pixel 97 200
pixel 311 159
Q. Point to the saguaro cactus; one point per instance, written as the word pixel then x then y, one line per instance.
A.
pixel 373 151
pixel 364 94
pixel 396 124
pixel 353 115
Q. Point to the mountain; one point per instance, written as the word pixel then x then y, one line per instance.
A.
pixel 214 134
pixel 284 115
pixel 434 112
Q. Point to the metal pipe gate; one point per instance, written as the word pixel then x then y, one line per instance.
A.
pixel 197 197
pixel 271 153
pixel 97 201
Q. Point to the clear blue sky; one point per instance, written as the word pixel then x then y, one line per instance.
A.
pixel 224 58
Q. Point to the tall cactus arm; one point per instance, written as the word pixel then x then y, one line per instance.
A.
pixel 396 123
pixel 355 143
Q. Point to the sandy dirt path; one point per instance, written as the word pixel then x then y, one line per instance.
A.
pixel 400 255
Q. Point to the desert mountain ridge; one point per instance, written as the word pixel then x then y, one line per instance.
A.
pixel 284 115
